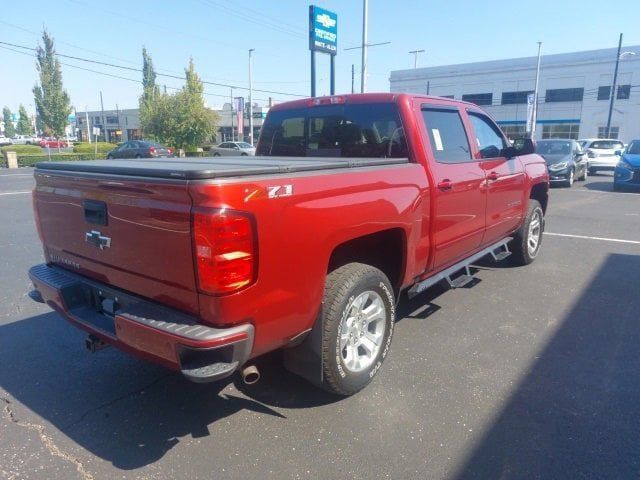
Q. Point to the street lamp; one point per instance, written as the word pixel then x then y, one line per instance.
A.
pixel 612 93
pixel 250 101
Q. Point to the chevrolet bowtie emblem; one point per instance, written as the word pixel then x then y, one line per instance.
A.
pixel 95 238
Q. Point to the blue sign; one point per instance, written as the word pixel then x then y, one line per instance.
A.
pixel 323 30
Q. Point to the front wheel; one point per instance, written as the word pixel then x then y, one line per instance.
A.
pixel 358 314
pixel 526 242
pixel 570 179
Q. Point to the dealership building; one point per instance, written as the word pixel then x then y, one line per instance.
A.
pixel 574 91
pixel 124 125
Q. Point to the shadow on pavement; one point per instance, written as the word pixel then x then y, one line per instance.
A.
pixel 125 411
pixel 575 414
pixel 600 186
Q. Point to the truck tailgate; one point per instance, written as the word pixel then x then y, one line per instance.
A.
pixel 134 233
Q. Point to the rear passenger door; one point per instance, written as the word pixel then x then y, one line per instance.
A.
pixel 505 178
pixel 458 216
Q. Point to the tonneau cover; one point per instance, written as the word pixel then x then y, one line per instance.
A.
pixel 214 167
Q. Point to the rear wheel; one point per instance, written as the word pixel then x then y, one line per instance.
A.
pixel 216 154
pixel 358 313
pixel 616 187
pixel 526 242
pixel 138 155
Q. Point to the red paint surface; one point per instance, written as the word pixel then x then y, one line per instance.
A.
pixel 152 251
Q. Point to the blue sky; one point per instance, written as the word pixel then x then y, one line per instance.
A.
pixel 217 34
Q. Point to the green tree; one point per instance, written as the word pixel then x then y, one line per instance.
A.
pixel 150 95
pixel 180 120
pixel 7 118
pixel 24 123
pixel 52 101
pixel 194 123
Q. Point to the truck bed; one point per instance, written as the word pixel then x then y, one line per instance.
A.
pixel 215 167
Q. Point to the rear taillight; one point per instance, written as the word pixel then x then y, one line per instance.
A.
pixel 152 151
pixel 225 250
pixel 169 151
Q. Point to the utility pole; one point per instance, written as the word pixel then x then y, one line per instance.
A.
pixel 612 93
pixel 428 85
pixel 415 57
pixel 86 119
pixel 250 101
pixel 353 77
pixel 232 136
pixel 534 118
pixel 104 134
pixel 363 70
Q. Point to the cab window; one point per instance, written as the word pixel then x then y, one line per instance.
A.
pixel 449 143
pixel 488 138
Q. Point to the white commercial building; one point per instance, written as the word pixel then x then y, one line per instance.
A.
pixel 573 91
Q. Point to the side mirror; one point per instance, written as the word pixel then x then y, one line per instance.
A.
pixel 618 152
pixel 521 146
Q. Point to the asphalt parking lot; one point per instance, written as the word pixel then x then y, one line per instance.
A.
pixel 531 373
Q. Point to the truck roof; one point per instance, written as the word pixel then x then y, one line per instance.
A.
pixel 381 97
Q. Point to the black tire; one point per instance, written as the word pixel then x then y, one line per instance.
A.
pixel 570 179
pixel 109 157
pixel 616 187
pixel 244 155
pixel 216 154
pixel 521 254
pixel 343 286
pixel 138 155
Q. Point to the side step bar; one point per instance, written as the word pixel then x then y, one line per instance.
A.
pixel 498 251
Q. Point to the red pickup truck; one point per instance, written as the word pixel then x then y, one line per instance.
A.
pixel 204 264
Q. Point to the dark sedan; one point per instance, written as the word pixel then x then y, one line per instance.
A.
pixel 565 159
pixel 140 149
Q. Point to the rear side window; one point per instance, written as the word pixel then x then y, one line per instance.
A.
pixel 447 135
pixel 342 130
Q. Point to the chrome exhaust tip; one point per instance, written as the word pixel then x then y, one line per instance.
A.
pixel 250 375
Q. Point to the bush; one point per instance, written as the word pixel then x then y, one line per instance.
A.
pixel 22 149
pixel 30 160
pixel 103 147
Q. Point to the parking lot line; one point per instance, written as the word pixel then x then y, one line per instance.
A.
pixel 17 175
pixel 585 237
pixel 15 193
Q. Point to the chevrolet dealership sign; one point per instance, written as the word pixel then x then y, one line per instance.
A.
pixel 323 30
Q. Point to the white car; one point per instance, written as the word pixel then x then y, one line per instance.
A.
pixel 227 149
pixel 4 140
pixel 602 153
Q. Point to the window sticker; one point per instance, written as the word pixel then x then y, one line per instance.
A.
pixel 437 139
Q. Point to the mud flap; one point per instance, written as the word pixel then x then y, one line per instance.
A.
pixel 305 359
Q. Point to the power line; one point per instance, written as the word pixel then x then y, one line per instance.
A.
pixel 177 77
pixel 121 77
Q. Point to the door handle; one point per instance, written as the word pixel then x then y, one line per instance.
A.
pixel 493 176
pixel 445 185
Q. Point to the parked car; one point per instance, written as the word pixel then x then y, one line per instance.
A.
pixel 53 143
pixel 627 171
pixel 4 141
pixel 356 200
pixel 565 160
pixel 601 153
pixel 228 149
pixel 140 149
pixel 24 140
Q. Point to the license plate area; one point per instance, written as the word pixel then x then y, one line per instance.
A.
pixel 96 307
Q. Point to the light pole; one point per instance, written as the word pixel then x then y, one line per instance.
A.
pixel 534 115
pixel 363 70
pixel 250 101
pixel 415 57
pixel 612 93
